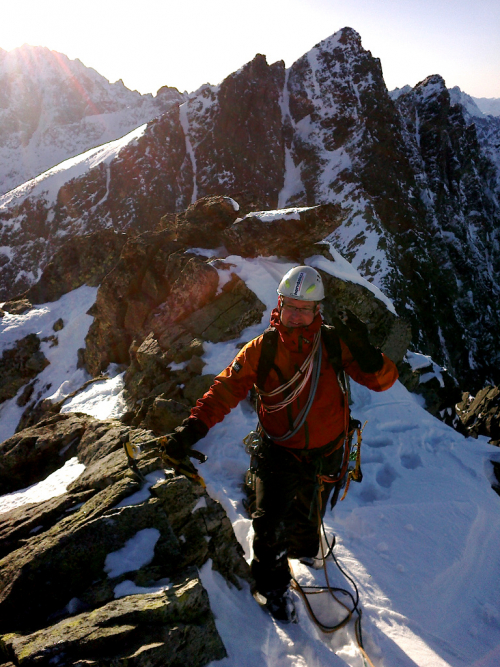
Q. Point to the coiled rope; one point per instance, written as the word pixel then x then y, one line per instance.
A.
pixel 305 591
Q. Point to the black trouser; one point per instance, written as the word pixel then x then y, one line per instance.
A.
pixel 285 520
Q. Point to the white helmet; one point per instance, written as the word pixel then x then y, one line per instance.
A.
pixel 303 283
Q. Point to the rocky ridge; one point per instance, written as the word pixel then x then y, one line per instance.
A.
pixel 416 179
pixel 159 301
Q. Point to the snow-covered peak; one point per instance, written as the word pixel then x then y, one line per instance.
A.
pixel 466 101
pixel 432 86
pixel 397 92
pixel 344 39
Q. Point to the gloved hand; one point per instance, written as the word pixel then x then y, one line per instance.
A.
pixel 177 444
pixel 354 333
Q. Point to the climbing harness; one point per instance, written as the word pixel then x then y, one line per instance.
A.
pixel 181 467
pixel 305 591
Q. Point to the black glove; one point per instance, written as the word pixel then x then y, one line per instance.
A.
pixel 354 333
pixel 177 444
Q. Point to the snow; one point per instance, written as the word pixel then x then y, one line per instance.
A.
pixel 183 116
pixel 138 551
pixel 52 486
pixel 102 399
pixel 62 376
pixel 420 535
pixel 128 587
pixel 144 493
pixel 420 361
pixel 279 214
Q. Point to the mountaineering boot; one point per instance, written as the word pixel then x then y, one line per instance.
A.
pixel 279 604
pixel 315 563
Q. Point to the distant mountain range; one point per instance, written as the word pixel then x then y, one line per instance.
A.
pixel 416 171
pixel 53 108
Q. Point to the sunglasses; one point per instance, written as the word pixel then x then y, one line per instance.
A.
pixel 300 311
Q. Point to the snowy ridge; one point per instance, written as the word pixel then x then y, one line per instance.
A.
pixel 49 183
pixel 420 535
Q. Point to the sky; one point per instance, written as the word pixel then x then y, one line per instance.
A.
pixel 154 43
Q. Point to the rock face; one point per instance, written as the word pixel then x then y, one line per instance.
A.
pixel 53 108
pixel 480 414
pixel 413 176
pixel 82 605
pixel 19 365
pixel 35 452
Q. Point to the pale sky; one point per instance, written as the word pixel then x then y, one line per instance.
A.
pixel 185 43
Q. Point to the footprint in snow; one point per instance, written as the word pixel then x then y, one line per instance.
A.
pixel 377 441
pixel 397 426
pixel 386 476
pixel 411 460
pixel 370 493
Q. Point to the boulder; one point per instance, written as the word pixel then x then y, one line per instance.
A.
pixel 165 414
pixel 20 364
pixel 387 331
pixel 142 279
pixel 17 306
pixel 32 454
pixel 203 222
pixel 173 627
pixel 286 232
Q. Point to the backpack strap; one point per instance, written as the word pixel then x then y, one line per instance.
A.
pixel 267 356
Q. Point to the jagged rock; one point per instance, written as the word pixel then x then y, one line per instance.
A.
pixel 222 318
pixel 480 414
pixel 17 306
pixel 288 232
pixel 171 628
pixel 21 523
pixel 165 414
pixel 436 385
pixel 58 324
pixel 58 562
pixel 19 364
pixel 387 331
pixel 142 279
pixel 197 386
pixel 83 260
pixel 26 395
pixel 202 224
pixel 36 452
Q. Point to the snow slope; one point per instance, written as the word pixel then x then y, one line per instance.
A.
pixel 420 535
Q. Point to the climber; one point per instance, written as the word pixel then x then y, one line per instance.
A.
pixel 303 420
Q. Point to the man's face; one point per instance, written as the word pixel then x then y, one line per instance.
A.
pixel 295 313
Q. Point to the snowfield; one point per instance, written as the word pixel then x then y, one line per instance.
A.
pixel 420 535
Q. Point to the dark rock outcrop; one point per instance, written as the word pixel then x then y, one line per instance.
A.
pixel 480 414
pixel 56 554
pixel 34 453
pixel 289 232
pixel 19 365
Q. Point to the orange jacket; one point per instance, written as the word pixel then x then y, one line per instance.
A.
pixel 326 418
